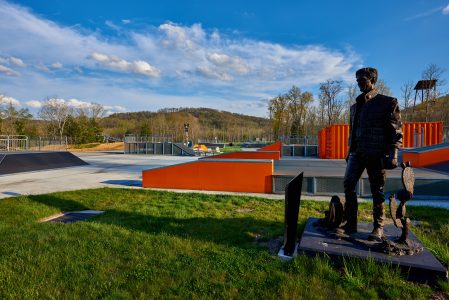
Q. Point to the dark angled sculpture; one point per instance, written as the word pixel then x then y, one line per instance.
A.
pixel 292 201
pixel 334 220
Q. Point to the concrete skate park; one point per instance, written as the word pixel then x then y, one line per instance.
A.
pixel 322 177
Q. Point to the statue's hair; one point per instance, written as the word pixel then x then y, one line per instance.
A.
pixel 369 72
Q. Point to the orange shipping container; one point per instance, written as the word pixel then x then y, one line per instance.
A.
pixel 421 134
pixel 333 140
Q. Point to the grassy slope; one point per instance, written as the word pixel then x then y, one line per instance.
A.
pixel 158 244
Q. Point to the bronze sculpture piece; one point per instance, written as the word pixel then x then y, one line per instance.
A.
pixel 402 245
pixel 374 139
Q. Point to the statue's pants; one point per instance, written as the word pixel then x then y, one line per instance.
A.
pixel 357 163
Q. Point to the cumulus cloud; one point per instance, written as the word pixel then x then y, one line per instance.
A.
pixel 115 62
pixel 34 103
pixel 446 10
pixel 185 59
pixel 9 101
pixel 211 73
pixel 8 71
pixel 112 25
pixel 227 61
pixel 12 61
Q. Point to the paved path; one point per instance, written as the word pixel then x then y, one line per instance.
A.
pixel 112 170
pixel 125 171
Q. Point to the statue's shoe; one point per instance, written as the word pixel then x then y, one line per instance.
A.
pixel 377 235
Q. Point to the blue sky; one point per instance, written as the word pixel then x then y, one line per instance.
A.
pixel 228 55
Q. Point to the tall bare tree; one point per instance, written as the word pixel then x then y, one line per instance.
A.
pixel 333 106
pixel 279 116
pixel 432 72
pixel 383 88
pixel 298 104
pixel 407 90
pixel 56 112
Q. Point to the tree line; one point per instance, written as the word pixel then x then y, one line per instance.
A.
pixel 293 114
pixel 296 113
pixel 57 120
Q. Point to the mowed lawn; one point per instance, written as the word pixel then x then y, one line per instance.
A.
pixel 152 244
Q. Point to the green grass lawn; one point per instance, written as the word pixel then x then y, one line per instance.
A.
pixel 153 244
pixel 231 149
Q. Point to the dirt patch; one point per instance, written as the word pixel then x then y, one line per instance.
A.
pixel 117 146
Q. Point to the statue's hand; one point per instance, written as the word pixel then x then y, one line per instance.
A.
pixel 391 159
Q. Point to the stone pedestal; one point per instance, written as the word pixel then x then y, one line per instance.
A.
pixel 421 267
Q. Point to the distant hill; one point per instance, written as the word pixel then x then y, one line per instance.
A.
pixel 204 123
pixel 436 111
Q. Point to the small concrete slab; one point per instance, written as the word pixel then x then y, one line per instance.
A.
pixel 422 267
pixel 72 216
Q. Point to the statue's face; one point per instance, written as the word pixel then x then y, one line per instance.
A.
pixel 364 83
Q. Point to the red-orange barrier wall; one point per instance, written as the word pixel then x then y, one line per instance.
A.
pixel 214 175
pixel 333 140
pixel 273 147
pixel 424 159
pixel 337 141
pixel 322 143
pixel 276 155
pixel 433 133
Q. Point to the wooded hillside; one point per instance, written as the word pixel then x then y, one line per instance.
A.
pixel 204 124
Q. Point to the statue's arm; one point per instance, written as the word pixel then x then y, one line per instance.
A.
pixel 394 126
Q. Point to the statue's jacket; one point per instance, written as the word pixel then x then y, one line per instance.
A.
pixel 375 124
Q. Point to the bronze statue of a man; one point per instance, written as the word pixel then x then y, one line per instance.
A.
pixel 374 139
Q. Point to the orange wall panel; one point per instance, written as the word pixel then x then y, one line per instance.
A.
pixel 276 155
pixel 336 141
pixel 333 140
pixel 213 175
pixel 273 147
pixel 428 158
pixel 322 143
pixel 433 133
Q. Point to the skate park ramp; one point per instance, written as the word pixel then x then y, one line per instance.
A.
pixel 427 156
pixel 16 162
pixel 275 155
pixel 233 175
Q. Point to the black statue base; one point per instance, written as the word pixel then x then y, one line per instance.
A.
pixel 422 266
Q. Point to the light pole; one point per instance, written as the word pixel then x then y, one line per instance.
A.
pixel 186 133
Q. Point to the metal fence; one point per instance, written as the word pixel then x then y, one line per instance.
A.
pixel 16 143
pixel 132 138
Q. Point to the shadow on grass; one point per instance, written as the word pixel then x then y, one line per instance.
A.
pixel 239 231
pixel 56 202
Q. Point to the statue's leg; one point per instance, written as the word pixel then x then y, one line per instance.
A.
pixel 377 177
pixel 354 169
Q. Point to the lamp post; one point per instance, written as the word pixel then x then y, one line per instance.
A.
pixel 186 133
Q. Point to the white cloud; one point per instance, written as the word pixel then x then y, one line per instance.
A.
pixel 115 62
pixel 211 73
pixel 112 25
pixel 42 67
pixel 189 62
pixel 12 61
pixel 8 71
pixel 17 62
pixel 126 21
pixel 34 103
pixel 446 10
pixel 227 61
pixel 9 100
pixel 78 103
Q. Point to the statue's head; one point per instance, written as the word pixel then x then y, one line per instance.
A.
pixel 366 79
